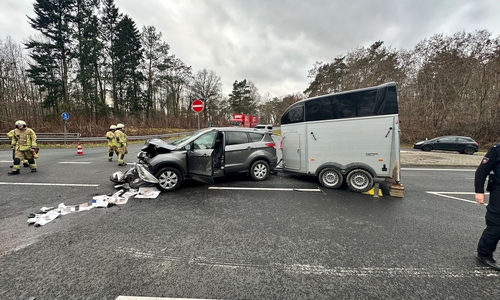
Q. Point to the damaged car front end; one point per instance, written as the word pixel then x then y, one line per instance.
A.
pixel 148 170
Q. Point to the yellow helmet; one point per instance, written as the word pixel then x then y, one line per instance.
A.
pixel 112 127
pixel 119 126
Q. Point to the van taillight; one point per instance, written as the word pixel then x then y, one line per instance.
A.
pixel 271 145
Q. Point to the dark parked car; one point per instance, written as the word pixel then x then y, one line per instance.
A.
pixel 462 144
pixel 204 155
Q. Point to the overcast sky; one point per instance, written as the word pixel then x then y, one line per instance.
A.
pixel 274 43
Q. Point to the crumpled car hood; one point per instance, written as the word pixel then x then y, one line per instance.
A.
pixel 154 145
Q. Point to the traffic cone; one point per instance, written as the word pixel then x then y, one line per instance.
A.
pixel 80 150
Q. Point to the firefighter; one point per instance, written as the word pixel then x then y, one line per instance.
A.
pixel 121 143
pixel 24 143
pixel 10 134
pixel 110 135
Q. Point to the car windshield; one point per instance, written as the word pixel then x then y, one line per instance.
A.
pixel 187 137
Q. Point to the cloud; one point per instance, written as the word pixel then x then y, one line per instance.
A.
pixel 275 43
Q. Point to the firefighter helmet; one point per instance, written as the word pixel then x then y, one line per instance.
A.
pixel 20 123
pixel 112 127
pixel 119 126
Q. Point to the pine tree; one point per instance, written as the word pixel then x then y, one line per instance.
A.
pixel 240 99
pixel 110 17
pixel 128 54
pixel 87 53
pixel 51 55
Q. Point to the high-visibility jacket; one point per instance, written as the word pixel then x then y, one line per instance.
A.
pixel 24 139
pixel 10 134
pixel 110 135
pixel 121 138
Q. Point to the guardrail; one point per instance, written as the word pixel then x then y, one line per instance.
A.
pixel 76 137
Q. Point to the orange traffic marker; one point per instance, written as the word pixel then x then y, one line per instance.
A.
pixel 80 150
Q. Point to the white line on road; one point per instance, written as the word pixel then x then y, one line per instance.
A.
pixel 432 169
pixel 75 162
pixel 264 189
pixel 156 298
pixel 49 184
pixel 447 195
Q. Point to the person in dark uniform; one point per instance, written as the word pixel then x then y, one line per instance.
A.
pixel 491 234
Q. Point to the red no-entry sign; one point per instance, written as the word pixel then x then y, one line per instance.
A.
pixel 197 105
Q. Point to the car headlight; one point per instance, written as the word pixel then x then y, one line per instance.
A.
pixel 142 155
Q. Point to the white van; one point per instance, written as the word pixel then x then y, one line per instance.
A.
pixel 351 137
pixel 267 128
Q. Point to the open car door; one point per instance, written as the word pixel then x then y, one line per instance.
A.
pixel 199 158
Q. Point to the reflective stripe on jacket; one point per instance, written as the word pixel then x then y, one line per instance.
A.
pixel 24 139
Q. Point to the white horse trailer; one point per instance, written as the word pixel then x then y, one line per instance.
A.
pixel 351 137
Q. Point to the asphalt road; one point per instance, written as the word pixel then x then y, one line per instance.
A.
pixel 284 238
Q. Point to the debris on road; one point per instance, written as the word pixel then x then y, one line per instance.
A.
pixel 48 214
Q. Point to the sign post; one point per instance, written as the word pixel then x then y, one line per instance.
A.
pixel 197 107
pixel 65 117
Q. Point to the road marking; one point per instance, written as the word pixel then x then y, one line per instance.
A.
pixel 49 184
pixel 309 269
pixel 156 298
pixel 447 195
pixel 75 162
pixel 432 169
pixel 265 189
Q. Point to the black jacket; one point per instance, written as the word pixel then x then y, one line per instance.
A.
pixel 489 163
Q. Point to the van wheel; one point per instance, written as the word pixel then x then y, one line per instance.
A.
pixel 169 179
pixel 330 178
pixel 259 170
pixel 360 180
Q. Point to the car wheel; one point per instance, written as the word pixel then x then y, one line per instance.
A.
pixel 426 148
pixel 259 170
pixel 330 178
pixel 469 150
pixel 360 180
pixel 169 179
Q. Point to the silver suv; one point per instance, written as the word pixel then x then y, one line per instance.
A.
pixel 209 153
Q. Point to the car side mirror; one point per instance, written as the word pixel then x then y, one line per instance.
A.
pixel 188 147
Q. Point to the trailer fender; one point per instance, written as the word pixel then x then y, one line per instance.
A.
pixel 341 168
pixel 357 165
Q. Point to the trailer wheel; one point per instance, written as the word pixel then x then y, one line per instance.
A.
pixel 360 180
pixel 330 178
pixel 259 170
pixel 169 179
